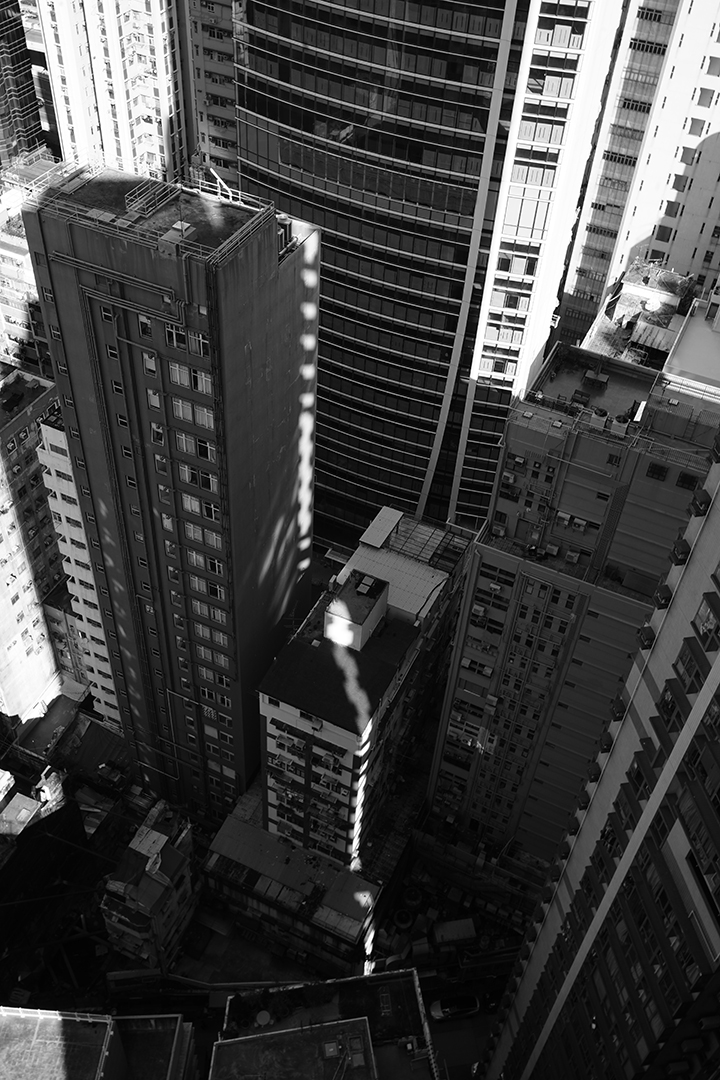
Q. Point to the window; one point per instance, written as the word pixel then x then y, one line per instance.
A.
pixel 656 472
pixel 213 539
pixel 179 374
pixel 167 522
pixel 196 558
pixel 704 100
pixel 663 233
pixel 161 465
pixel 198 343
pixel 191 503
pixel 170 549
pixel 157 434
pixel 193 532
pixel 48 295
pixel 202 631
pixel 131 481
pixel 153 398
pixel 614 460
pixel 55 333
pixel 221 660
pixel 707 623
pixel 175 336
pixel 126 451
pixel 214 566
pixel 164 493
pixel 211 510
pixel 106 313
pixel 173 574
pixel 204 417
pixel 186 443
pixel 691 666
pixel 188 474
pixel 214 590
pixel 149 363
pixel 218 615
pixel 145 327
pixel 182 410
pixel 206 450
pixel 200 608
pixel 687 480
pixel 112 352
pixel 201 381
pixel 198 584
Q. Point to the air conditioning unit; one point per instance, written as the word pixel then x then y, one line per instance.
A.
pixel 572 556
pixel 508 478
pixel 552 549
pixel 498 530
pixel 580 524
pixel 478 609
pixel 491 699
pixel 495 588
pixel 519 460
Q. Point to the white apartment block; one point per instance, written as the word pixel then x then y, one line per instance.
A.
pixel 672 214
pixel 82 580
pixel 115 82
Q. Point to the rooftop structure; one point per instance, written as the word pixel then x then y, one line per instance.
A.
pixel 372 1027
pixel 642 315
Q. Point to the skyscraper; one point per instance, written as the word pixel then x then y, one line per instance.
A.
pixel 441 149
pixel 619 976
pixel 182 331
pixel 20 127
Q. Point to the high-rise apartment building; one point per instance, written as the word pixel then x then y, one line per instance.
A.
pixel 29 558
pixel 619 975
pixel 81 643
pixel 653 181
pixel 441 149
pixel 672 209
pixel 115 79
pixel 589 500
pixel 182 332
pixel 20 127
pixel 343 696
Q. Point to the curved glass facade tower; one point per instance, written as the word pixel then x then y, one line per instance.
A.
pixel 431 144
pixel 388 127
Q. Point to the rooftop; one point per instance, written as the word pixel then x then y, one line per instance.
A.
pixel 296 879
pixel 148 1042
pixel 357 597
pixel 37 1045
pixel 320 1052
pixel 333 682
pixel 440 548
pixel 695 357
pixel 18 390
pixel 601 397
pixel 389 1006
pixel 642 316
pixel 147 210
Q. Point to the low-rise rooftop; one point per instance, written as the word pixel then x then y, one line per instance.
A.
pixel 299 880
pixel 37 1045
pixel 388 1006
pixel 18 391
pixel 319 1052
pixel 694 361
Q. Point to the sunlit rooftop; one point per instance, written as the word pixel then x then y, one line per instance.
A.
pixel 36 1045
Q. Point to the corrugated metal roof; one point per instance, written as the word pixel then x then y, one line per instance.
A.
pixel 412 583
pixel 381 526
